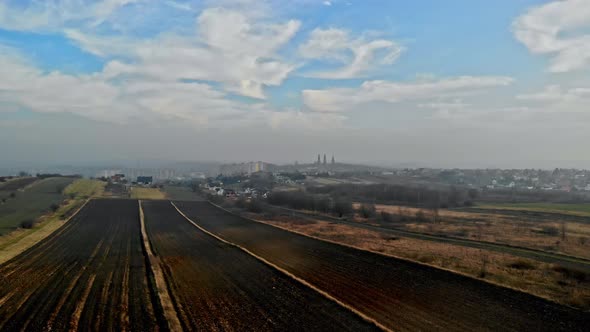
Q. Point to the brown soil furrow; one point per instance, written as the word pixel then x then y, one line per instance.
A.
pixel 83 271
pixel 401 295
pixel 162 289
pixel 291 275
pixel 80 306
pixel 220 287
pixel 125 292
pixel 103 300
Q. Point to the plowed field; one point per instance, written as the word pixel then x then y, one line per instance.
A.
pixel 217 286
pixel 400 294
pixel 91 274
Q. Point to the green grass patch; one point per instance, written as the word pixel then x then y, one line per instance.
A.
pixel 85 188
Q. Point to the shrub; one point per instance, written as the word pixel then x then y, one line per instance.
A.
pixel 27 224
pixel 521 265
pixel 420 216
pixel 342 207
pixel 367 210
pixel 254 206
pixel 12 195
pixel 549 230
pixel 572 273
pixel 483 270
pixel 386 217
pixel 53 207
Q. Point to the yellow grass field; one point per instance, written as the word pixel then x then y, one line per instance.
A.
pixel 147 193
pixel 513 230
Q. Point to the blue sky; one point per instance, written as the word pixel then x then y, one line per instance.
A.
pixel 291 78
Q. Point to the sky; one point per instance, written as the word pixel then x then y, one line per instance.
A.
pixel 456 83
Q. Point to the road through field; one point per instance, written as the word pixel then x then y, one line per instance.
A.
pixel 402 295
pixel 217 286
pixel 90 275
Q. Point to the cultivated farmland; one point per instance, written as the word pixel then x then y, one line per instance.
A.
pixel 91 274
pixel 400 294
pixel 17 184
pixel 216 286
pixel 29 204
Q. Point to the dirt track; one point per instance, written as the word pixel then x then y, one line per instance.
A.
pixel 398 293
pixel 89 275
pixel 219 287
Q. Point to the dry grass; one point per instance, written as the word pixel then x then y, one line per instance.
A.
pixel 147 193
pixel 541 279
pixel 513 230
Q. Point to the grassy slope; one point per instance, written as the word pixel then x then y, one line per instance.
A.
pixel 86 188
pixel 32 202
pixel 573 209
pixel 19 240
pixel 147 193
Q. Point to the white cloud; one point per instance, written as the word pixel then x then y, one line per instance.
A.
pixel 96 97
pixel 560 30
pixel 54 15
pixel 242 55
pixel 180 6
pixel 360 55
pixel 99 96
pixel 555 93
pixel 347 99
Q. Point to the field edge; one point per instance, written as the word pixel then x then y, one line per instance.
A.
pixel 325 294
pixel 165 301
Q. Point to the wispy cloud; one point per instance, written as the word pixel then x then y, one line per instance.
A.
pixel 241 56
pixel 347 99
pixel 557 29
pixel 359 56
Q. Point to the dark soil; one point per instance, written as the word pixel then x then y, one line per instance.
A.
pixel 217 286
pixel 400 294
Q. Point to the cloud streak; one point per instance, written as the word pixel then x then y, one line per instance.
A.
pixel 557 29
pixel 359 56
pixel 347 99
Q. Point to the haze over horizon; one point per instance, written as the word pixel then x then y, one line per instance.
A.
pixel 427 83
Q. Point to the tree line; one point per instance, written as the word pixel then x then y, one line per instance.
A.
pixel 443 197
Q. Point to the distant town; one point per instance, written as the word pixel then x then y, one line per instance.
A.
pixel 327 170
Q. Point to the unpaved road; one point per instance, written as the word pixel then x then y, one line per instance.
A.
pixel 217 286
pixel 402 295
